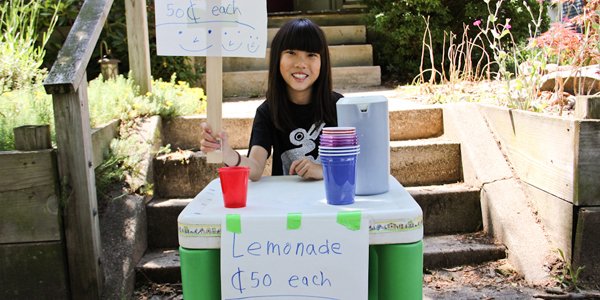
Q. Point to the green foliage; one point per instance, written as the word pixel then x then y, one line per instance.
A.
pixel 28 105
pixel 568 276
pixel 190 100
pixel 67 11
pixel 20 56
pixel 118 99
pixel 110 171
pixel 108 100
pixel 521 18
pixel 396 29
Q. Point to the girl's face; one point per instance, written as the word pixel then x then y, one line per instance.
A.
pixel 299 69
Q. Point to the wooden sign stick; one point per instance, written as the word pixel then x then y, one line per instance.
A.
pixel 214 95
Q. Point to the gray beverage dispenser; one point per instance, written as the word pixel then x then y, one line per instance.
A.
pixel 369 114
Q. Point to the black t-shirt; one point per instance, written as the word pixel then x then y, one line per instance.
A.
pixel 290 145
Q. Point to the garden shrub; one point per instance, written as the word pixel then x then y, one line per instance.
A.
pixel 20 56
pixel 396 29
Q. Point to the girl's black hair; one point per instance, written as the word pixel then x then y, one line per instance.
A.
pixel 300 34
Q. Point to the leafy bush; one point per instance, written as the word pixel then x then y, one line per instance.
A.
pixel 108 100
pixel 396 29
pixel 564 45
pixel 26 106
pixel 20 57
pixel 67 11
pixel 119 99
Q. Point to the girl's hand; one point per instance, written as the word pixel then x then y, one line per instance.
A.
pixel 306 169
pixel 210 142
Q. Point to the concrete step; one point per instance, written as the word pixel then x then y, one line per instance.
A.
pixel 449 251
pixel 183 174
pixel 161 216
pixel 405 124
pixel 341 56
pixel 447 209
pixel 254 83
pixel 335 35
pixel 163 265
pixel 425 162
pixel 335 18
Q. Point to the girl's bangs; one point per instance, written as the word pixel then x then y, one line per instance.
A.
pixel 304 38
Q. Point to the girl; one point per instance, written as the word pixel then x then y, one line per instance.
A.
pixel 299 103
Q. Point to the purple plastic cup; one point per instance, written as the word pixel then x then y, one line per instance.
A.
pixel 338 145
pixel 339 176
pixel 337 136
pixel 338 148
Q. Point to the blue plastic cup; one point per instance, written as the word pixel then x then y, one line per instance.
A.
pixel 339 175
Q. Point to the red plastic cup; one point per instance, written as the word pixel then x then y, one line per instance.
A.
pixel 234 184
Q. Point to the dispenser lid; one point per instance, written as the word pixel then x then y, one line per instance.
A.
pixel 362 100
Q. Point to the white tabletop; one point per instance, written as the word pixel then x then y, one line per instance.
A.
pixel 394 217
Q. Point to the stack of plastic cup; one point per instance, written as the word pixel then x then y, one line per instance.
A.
pixel 338 151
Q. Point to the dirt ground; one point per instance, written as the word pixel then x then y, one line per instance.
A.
pixel 492 280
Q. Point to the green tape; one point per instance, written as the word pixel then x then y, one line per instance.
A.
pixel 234 223
pixel 349 219
pixel 294 220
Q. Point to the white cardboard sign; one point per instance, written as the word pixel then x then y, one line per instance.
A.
pixel 232 28
pixel 316 257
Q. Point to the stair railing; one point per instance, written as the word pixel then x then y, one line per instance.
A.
pixel 67 83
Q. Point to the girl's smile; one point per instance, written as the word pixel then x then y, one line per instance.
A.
pixel 299 69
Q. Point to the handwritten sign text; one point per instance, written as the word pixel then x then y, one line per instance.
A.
pixel 234 28
pixel 320 260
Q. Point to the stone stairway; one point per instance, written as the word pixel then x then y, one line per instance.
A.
pixel 422 159
pixel 351 56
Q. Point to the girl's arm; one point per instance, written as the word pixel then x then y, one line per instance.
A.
pixel 256 160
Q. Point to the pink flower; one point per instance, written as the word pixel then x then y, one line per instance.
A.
pixel 477 23
pixel 507 27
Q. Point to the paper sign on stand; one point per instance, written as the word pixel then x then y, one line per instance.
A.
pixel 215 29
pixel 223 28
pixel 295 256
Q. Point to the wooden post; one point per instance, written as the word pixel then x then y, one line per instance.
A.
pixel 78 192
pixel 214 96
pixel 32 137
pixel 67 82
pixel 137 43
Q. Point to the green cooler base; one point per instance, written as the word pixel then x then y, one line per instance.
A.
pixel 395 272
